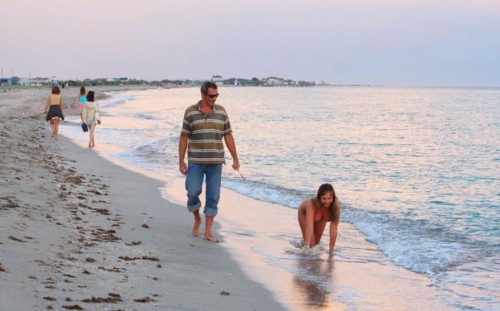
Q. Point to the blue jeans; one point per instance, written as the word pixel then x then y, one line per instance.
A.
pixel 194 182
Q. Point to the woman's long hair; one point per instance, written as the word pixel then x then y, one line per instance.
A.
pixel 90 96
pixel 82 91
pixel 334 208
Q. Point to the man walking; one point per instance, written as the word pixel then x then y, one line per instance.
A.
pixel 205 125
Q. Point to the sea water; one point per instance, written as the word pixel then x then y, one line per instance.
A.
pixel 416 169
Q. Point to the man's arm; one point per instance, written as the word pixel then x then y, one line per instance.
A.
pixel 183 141
pixel 231 146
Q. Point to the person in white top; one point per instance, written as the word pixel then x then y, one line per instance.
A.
pixel 90 115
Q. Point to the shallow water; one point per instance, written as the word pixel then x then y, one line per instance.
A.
pixel 416 170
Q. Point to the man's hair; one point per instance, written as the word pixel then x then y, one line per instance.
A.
pixel 207 85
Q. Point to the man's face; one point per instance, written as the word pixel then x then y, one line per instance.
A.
pixel 210 97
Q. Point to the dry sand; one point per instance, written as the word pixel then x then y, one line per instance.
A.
pixel 81 233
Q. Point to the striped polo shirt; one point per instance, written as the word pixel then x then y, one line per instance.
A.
pixel 205 134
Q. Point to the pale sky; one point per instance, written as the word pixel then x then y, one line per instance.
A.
pixel 382 42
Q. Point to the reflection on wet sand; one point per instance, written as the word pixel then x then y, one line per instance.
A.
pixel 314 279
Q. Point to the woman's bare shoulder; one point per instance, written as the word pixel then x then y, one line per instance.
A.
pixel 307 203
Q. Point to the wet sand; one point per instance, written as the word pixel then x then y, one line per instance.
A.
pixel 81 233
pixel 265 239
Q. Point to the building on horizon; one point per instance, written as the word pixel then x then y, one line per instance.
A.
pixel 217 80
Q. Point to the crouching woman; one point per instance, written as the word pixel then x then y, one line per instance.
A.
pixel 315 213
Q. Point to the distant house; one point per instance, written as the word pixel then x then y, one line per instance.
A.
pixel 15 80
pixel 117 80
pixel 39 81
pixel 273 81
pixel 24 81
pixel 168 84
pixel 217 80
pixel 306 83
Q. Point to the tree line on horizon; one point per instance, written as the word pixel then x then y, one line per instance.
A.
pixel 160 83
pixel 177 82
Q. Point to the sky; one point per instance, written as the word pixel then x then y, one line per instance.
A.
pixel 376 42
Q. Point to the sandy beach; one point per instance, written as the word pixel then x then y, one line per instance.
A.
pixel 83 230
pixel 81 233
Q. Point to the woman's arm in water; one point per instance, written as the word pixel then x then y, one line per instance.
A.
pixel 333 235
pixel 309 232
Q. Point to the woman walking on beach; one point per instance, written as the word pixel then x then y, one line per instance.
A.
pixel 90 115
pixel 81 100
pixel 314 213
pixel 54 110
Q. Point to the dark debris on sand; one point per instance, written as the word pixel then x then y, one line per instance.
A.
pixel 112 298
pixel 74 204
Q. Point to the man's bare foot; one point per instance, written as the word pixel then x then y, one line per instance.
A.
pixel 210 238
pixel 196 227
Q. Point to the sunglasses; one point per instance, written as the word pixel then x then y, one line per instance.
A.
pixel 212 96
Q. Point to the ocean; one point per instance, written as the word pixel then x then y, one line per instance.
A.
pixel 416 171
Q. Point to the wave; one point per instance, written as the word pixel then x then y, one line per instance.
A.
pixel 116 99
pixel 412 244
pixel 145 116
pixel 421 246
pixel 265 192
pixel 418 246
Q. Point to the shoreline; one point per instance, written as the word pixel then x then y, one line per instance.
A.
pixel 82 232
pixel 266 250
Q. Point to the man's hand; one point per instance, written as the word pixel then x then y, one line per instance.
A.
pixel 236 164
pixel 183 168
pixel 183 142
